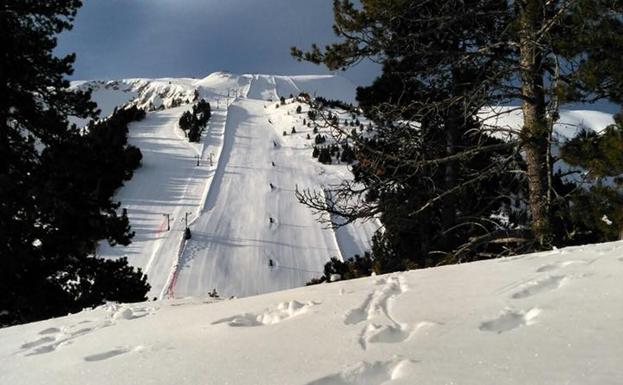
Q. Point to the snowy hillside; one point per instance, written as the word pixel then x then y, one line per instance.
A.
pixel 235 188
pixel 540 319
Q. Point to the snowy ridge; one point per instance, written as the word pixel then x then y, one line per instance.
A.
pixel 156 94
pixel 568 126
pixel 547 318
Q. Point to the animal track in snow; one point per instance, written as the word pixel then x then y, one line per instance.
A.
pixel 38 342
pixel 281 312
pixel 380 281
pixel 510 319
pixel 42 350
pixel 58 337
pixel 542 285
pixel 377 302
pixel 558 265
pixel 107 355
pixel 365 373
pixel 126 312
pixel 391 334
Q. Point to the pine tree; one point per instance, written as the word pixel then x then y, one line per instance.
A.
pixel 592 210
pixel 416 194
pixel 324 156
pixel 483 53
pixel 51 215
pixel 348 155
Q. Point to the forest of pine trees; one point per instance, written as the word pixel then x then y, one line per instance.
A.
pixel 444 62
pixel 193 122
pixel 56 180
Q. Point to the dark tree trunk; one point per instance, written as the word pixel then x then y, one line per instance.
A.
pixel 535 130
pixel 449 205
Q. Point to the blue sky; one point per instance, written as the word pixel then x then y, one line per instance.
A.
pixel 157 38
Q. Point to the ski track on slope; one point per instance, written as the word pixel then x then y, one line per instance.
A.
pixel 214 143
pixel 257 237
pixel 231 255
pixel 232 239
pixel 168 182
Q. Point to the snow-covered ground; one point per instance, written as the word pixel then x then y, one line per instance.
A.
pixel 568 126
pixel 549 318
pixel 227 199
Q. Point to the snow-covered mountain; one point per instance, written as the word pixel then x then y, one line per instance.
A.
pixel 548 318
pixel 540 319
pixel 235 188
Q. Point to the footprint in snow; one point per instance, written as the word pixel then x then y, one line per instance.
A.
pixel 125 312
pixel 377 302
pixel 539 286
pixel 365 373
pixel 38 342
pixel 281 312
pixel 42 350
pixel 391 334
pixel 559 265
pixel 106 355
pixel 510 319
pixel 58 337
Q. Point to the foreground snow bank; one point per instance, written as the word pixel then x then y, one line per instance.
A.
pixel 548 318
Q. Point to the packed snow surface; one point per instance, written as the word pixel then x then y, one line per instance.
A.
pixel 548 318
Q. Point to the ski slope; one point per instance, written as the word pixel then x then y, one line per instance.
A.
pixel 227 199
pixel 541 319
pixel 168 183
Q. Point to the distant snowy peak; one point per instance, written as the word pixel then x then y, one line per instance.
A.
pixel 327 86
pixel 149 94
pixel 156 94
